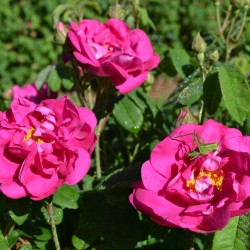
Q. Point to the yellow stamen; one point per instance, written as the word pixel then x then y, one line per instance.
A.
pixel 191 184
pixel 29 136
pixel 215 177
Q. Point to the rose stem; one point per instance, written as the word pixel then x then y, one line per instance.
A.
pixel 191 240
pixel 49 208
pixel 97 148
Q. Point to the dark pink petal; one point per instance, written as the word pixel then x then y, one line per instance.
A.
pixel 87 116
pixel 151 203
pixel 237 143
pixel 81 167
pixel 141 45
pixel 217 220
pixel 151 179
pixel 13 190
pixel 20 108
pixel 130 83
pixel 119 28
pixel 9 165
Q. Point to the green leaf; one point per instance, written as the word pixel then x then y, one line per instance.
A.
pixel 136 99
pixel 18 219
pixel 121 226
pixel 36 231
pixel 54 80
pixel 128 115
pixel 66 197
pixel 26 247
pixel 181 61
pixel 148 101
pixel 235 92
pixel 57 215
pixel 121 178
pixel 144 102
pixel 18 210
pixel 3 243
pixel 247 124
pixel 78 243
pixel 235 236
pixel 58 12
pixel 143 15
pixel 192 92
pixel 66 76
pixel 13 237
pixel 212 93
pixel 88 230
pixel 43 75
pixel 42 234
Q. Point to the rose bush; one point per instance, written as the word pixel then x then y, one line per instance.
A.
pixel 30 92
pixel 44 146
pixel 196 188
pixel 113 50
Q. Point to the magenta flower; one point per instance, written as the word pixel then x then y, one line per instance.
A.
pixel 197 189
pixel 113 50
pixel 44 146
pixel 30 92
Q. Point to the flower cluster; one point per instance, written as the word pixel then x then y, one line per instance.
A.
pixel 44 146
pixel 197 178
pixel 113 50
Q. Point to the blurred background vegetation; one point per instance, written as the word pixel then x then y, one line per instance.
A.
pixel 26 30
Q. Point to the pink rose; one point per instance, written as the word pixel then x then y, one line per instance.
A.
pixel 199 190
pixel 30 92
pixel 44 146
pixel 113 50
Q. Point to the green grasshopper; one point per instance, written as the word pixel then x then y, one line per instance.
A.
pixel 203 148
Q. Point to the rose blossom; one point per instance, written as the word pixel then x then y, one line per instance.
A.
pixel 113 50
pixel 30 92
pixel 44 146
pixel 201 192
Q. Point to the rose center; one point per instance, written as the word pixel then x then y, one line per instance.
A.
pixel 215 178
pixel 30 135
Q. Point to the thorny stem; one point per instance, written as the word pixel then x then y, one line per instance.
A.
pixel 90 98
pixel 217 6
pixel 97 147
pixel 132 157
pixel 78 84
pixel 124 143
pixel 243 23
pixel 49 208
pixel 228 44
pixel 225 23
pixel 191 240
pixel 201 113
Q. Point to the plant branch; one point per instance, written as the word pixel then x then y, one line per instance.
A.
pixel 225 23
pixel 217 6
pixel 243 23
pixel 78 84
pixel 228 42
pixel 97 147
pixel 49 208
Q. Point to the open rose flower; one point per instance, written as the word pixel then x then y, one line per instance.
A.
pixel 113 50
pixel 30 92
pixel 196 188
pixel 44 146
